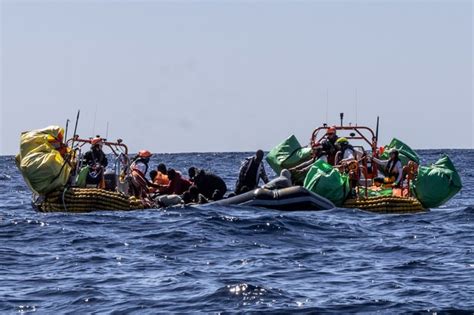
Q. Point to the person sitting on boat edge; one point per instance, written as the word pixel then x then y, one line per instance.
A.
pixel 345 151
pixel 177 184
pixel 153 175
pixel 393 168
pixel 96 160
pixel 319 152
pixel 192 196
pixel 139 184
pixel 250 173
pixel 210 185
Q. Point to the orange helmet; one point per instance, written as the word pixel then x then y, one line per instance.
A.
pixel 144 154
pixel 331 130
pixel 96 141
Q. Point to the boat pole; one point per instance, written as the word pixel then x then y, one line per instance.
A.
pixel 67 126
pixel 377 130
pixel 69 155
pixel 75 128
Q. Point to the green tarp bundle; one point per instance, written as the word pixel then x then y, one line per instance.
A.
pixel 328 182
pixel 438 183
pixel 406 153
pixel 385 192
pixel 288 154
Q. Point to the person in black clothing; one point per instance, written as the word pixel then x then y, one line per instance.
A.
pixel 192 172
pixel 250 173
pixel 210 185
pixel 97 161
pixel 193 196
pixel 331 147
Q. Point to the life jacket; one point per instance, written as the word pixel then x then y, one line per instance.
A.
pixel 343 151
pixel 161 179
pixel 390 168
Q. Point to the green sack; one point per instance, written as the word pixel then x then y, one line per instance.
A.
pixel 328 182
pixel 82 176
pixel 438 183
pixel 386 192
pixel 406 153
pixel 288 154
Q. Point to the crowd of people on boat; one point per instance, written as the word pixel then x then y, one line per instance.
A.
pixel 167 186
pixel 338 152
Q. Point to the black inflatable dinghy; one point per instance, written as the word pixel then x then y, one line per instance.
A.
pixel 289 199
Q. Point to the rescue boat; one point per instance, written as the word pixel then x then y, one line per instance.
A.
pixel 354 184
pixel 54 171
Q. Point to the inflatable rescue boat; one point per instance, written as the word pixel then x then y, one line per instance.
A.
pixel 287 199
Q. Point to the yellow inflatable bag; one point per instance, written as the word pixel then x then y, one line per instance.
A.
pixel 40 162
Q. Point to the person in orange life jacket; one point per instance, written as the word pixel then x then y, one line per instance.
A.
pixel 139 184
pixel 345 153
pixel 393 168
pixel 250 173
pixel 97 161
pixel 158 177
pixel 177 185
pixel 331 148
pixel 162 175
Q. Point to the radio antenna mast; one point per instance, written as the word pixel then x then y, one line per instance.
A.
pixel 327 105
pixel 95 117
pixel 356 103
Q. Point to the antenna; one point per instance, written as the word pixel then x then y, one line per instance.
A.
pixel 67 127
pixel 107 131
pixel 327 104
pixel 95 117
pixel 356 103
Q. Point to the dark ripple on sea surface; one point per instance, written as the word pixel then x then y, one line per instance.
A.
pixel 235 259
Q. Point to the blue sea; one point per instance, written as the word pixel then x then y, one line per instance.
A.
pixel 236 259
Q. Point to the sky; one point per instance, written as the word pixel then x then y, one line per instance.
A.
pixel 199 76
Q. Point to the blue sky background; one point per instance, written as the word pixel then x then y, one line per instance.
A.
pixel 237 75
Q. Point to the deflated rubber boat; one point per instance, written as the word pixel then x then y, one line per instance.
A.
pixel 287 199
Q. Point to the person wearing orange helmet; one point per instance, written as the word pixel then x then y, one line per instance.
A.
pixel 96 160
pixel 139 167
pixel 332 149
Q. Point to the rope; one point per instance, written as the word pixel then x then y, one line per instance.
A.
pixel 63 199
